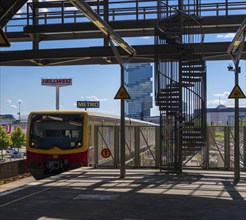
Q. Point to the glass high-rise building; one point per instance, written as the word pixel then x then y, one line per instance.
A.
pixel 138 81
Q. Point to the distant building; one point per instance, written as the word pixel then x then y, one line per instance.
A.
pixel 139 86
pixel 221 115
pixel 7 119
pixel 9 123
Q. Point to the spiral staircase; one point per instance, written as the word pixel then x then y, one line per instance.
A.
pixel 180 87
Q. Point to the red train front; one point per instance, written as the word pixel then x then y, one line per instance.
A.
pixel 56 142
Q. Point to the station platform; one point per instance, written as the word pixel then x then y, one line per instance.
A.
pixel 144 194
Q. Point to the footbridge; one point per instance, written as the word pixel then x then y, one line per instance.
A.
pixel 40 23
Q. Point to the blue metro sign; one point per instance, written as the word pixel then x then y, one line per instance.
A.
pixel 88 104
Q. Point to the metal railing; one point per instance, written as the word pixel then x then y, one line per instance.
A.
pixel 117 10
pixel 220 147
pixel 142 148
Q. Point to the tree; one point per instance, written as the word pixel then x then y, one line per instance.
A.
pixel 4 140
pixel 18 137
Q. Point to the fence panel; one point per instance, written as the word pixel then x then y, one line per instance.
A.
pixel 221 147
pixel 140 148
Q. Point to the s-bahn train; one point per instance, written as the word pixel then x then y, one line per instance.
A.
pixel 58 140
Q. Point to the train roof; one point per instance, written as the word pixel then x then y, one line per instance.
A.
pixel 95 114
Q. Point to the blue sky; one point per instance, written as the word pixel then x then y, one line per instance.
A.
pixel 94 82
pixel 97 82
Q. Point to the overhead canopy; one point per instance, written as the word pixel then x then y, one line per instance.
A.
pixel 8 8
pixel 4 42
pixel 102 25
pixel 236 46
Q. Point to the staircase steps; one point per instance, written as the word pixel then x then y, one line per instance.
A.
pixel 192 143
pixel 169 90
pixel 193 69
pixel 192 140
pixel 177 85
pixel 170 30
pixel 190 129
pixel 183 78
pixel 190 79
pixel 168 99
pixel 170 109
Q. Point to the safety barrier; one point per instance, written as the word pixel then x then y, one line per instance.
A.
pixel 220 147
pixel 142 146
pixel 62 12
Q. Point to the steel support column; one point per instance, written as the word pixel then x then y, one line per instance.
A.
pixel 57 97
pixel 116 146
pixel 122 130
pixel 236 132
pixel 244 148
pixel 157 146
pixel 137 146
pixel 96 146
pixel 227 147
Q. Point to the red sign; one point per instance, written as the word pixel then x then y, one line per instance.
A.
pixel 56 82
pixel 106 152
pixel 8 128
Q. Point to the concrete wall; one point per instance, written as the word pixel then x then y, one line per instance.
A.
pixel 12 168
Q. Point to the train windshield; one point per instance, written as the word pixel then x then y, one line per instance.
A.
pixel 61 131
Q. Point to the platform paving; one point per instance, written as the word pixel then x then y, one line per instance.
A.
pixel 144 194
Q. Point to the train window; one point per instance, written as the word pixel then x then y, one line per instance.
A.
pixel 61 131
pixel 54 133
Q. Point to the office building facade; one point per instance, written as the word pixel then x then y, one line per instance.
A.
pixel 138 81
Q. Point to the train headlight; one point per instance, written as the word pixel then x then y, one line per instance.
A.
pixel 78 144
pixel 33 144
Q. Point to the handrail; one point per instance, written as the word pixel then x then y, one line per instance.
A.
pixel 178 83
pixel 187 16
pixel 142 9
pixel 198 115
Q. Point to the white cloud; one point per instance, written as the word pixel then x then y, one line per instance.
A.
pixel 222 95
pixel 8 101
pixel 223 99
pixel 23 9
pixel 216 102
pixel 94 98
pixel 13 106
pixel 223 36
pixel 71 9
pixel 43 10
pixel 226 102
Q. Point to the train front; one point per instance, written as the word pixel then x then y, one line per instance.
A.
pixel 56 142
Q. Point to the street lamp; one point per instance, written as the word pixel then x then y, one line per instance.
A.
pixel 19 113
